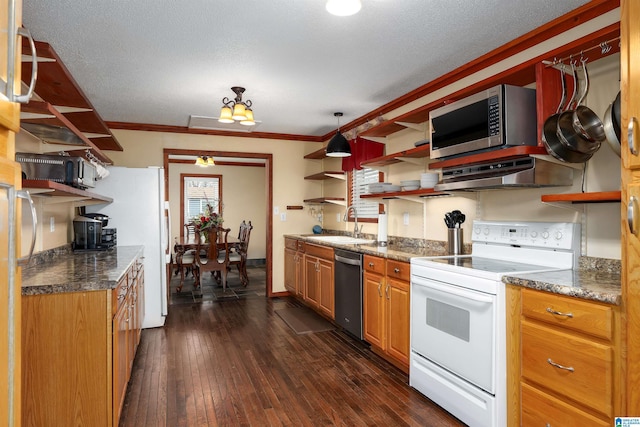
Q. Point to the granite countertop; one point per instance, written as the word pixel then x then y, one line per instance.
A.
pixel 78 271
pixel 602 286
pixel 398 252
pixel 595 279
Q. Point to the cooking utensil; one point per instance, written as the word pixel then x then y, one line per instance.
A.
pixel 585 120
pixel 612 125
pixel 567 134
pixel 550 137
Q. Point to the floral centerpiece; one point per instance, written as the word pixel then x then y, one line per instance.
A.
pixel 206 221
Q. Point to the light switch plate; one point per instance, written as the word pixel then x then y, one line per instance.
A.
pixel 52 224
pixel 276 210
pixel 405 218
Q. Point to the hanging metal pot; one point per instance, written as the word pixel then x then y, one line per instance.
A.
pixel 550 137
pixel 585 120
pixel 612 125
pixel 568 135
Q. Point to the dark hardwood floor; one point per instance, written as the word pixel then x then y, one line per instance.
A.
pixel 231 360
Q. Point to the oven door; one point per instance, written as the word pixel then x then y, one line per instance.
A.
pixel 455 328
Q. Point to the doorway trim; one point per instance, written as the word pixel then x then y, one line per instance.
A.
pixel 268 167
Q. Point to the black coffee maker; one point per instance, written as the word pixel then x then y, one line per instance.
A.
pixel 91 233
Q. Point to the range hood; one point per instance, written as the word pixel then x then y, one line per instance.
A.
pixel 514 173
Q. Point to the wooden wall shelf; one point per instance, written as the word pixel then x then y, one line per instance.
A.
pixel 317 155
pixel 326 175
pixel 507 153
pixel 421 152
pixel 420 193
pixel 56 86
pixel 60 193
pixel 323 200
pixel 595 197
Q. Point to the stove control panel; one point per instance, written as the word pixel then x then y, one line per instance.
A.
pixel 552 235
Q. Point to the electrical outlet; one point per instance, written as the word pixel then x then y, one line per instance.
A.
pixel 338 219
pixel 52 224
pixel 283 216
pixel 405 218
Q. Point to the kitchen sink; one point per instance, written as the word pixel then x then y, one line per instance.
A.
pixel 344 240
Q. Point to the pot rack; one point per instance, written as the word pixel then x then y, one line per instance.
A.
pixel 605 47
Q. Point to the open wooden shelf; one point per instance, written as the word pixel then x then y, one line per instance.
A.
pixel 59 193
pixel 56 86
pixel 326 175
pixel 422 192
pixel 322 200
pixel 504 154
pixel 389 159
pixel 595 197
pixel 317 155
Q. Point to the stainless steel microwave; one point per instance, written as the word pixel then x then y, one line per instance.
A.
pixel 500 117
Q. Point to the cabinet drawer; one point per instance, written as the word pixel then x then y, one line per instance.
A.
pixel 399 270
pixel 324 252
pixel 374 264
pixel 290 243
pixel 540 409
pixel 583 316
pixel 591 380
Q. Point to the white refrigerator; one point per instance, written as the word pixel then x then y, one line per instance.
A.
pixel 140 215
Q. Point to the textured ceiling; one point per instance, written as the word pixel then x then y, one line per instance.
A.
pixel 160 61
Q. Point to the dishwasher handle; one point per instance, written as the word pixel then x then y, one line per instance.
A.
pixel 349 261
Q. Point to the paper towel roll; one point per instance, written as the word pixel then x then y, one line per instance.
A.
pixel 382 229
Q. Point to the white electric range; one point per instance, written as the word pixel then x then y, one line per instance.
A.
pixel 458 327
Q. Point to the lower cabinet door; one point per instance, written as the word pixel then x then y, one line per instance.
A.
pixel 373 310
pixel 398 317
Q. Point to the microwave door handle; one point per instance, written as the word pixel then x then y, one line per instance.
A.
pixel 23 194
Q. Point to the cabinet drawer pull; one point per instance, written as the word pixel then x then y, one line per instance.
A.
pixel 396 270
pixel 371 264
pixel 557 365
pixel 559 313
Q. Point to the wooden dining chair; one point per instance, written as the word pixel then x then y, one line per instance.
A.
pixel 238 255
pixel 185 263
pixel 217 254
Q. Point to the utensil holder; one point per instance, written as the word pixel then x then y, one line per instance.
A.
pixel 455 241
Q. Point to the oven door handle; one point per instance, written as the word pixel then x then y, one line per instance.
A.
pixel 454 290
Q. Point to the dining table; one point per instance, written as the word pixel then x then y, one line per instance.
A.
pixel 186 243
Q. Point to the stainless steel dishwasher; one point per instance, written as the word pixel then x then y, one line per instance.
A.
pixel 348 291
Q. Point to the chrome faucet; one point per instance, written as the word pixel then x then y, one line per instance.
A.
pixel 356 231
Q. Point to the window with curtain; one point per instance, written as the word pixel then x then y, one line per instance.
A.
pixel 198 191
pixel 359 179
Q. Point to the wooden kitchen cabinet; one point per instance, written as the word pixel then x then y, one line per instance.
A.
pixel 386 296
pixel 319 280
pixel 630 103
pixel 566 372
pixel 78 350
pixel 294 267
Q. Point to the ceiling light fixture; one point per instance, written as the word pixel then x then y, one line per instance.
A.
pixel 343 7
pixel 236 110
pixel 204 161
pixel 338 146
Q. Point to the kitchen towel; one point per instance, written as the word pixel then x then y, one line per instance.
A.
pixel 382 229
